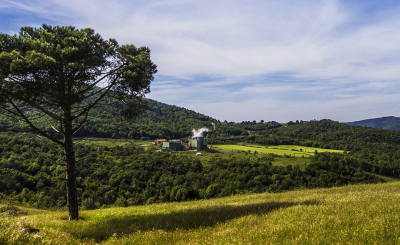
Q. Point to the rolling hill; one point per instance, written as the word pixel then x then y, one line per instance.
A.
pixel 387 123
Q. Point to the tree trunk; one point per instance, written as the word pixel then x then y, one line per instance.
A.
pixel 72 197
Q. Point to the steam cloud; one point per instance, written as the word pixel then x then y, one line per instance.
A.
pixel 199 132
pixel 213 124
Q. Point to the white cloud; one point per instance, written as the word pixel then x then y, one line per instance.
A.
pixel 285 59
pixel 260 37
pixel 345 110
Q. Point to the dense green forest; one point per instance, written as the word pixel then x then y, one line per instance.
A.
pixel 32 173
pixel 32 169
pixel 158 121
pixel 376 150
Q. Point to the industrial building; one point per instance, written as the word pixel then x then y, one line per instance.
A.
pixel 198 143
pixel 159 141
pixel 172 146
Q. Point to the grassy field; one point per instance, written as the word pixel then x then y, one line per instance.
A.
pixel 281 150
pixel 285 154
pixel 359 214
pixel 208 156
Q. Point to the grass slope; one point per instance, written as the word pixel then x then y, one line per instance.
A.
pixel 360 214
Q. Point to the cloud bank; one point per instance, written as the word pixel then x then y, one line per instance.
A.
pixel 253 60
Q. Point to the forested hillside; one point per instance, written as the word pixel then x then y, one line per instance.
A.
pixel 388 123
pixel 158 121
pixel 376 150
pixel 32 168
pixel 32 173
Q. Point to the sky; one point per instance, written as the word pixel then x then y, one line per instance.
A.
pixel 249 60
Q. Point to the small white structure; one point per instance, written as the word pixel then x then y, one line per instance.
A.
pixel 198 154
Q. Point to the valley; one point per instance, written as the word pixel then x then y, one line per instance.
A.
pixel 290 178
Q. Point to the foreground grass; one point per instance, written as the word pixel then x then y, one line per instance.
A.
pixel 361 214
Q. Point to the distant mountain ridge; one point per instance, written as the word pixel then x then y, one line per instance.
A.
pixel 388 123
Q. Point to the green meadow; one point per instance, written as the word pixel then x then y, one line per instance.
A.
pixel 280 150
pixel 284 154
pixel 357 214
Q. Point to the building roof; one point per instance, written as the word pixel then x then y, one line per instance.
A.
pixel 160 140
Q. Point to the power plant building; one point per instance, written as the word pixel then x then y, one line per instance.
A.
pixel 172 146
pixel 198 143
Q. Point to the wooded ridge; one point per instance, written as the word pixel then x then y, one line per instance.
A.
pixel 31 168
pixel 388 123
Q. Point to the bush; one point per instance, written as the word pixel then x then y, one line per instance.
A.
pixel 121 202
pixel 9 210
pixel 89 204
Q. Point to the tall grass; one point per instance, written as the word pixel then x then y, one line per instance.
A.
pixel 360 214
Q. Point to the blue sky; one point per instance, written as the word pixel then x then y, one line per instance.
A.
pixel 250 60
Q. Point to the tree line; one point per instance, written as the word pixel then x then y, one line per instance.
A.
pixel 32 173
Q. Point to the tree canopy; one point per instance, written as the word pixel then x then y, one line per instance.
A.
pixel 59 74
pixel 55 69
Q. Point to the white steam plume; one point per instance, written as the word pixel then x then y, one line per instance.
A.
pixel 213 124
pixel 199 132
